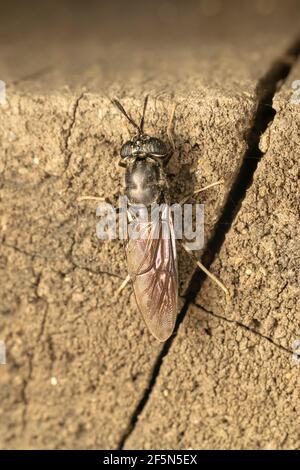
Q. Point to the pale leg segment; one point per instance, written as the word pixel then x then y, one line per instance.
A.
pixel 90 198
pixel 170 126
pixel 206 271
pixel 186 198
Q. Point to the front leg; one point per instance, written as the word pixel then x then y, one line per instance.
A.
pixel 90 198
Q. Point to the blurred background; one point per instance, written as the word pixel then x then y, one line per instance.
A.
pixel 118 37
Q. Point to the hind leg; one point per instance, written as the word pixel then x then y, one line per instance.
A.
pixel 206 271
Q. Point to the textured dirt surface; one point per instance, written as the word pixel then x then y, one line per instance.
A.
pixel 221 387
pixel 265 260
pixel 79 358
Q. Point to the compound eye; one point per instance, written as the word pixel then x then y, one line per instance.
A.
pixel 126 149
pixel 157 147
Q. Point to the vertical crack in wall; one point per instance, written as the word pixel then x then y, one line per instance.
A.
pixel 70 129
pixel 263 117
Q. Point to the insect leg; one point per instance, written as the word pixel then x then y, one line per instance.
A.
pixel 124 284
pixel 90 198
pixel 186 198
pixel 170 135
pixel 170 126
pixel 206 271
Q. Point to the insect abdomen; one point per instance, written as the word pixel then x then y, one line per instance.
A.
pixel 142 180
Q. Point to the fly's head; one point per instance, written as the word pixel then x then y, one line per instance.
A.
pixel 143 146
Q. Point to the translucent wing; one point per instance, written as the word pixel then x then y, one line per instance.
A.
pixel 152 265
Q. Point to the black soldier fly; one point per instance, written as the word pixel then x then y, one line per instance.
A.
pixel 152 260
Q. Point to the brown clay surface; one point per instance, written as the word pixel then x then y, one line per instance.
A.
pixel 230 373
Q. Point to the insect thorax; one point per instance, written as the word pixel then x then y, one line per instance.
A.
pixel 144 180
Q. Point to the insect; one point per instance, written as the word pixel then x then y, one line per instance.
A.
pixel 152 257
pixel 151 261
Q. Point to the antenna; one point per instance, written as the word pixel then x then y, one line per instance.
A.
pixel 120 108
